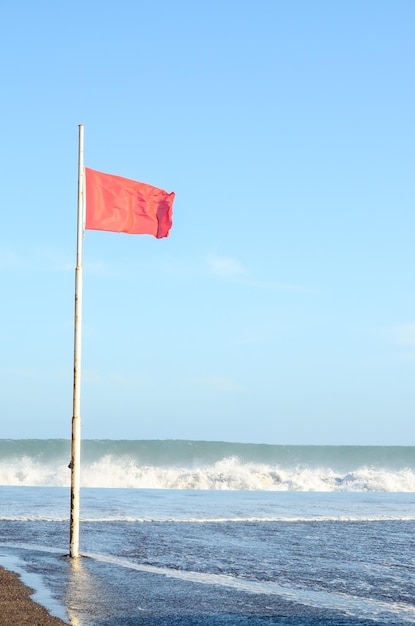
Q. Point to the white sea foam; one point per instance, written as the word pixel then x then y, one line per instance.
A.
pixel 352 605
pixel 227 474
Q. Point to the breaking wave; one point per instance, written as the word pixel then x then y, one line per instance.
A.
pixel 228 473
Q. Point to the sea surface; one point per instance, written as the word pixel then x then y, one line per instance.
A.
pixel 211 533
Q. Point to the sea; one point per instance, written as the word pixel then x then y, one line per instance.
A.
pixel 212 533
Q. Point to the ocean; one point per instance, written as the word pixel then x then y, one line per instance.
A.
pixel 213 533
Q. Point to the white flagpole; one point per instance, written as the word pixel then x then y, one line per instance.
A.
pixel 76 416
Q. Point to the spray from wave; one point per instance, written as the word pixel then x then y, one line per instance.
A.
pixel 229 473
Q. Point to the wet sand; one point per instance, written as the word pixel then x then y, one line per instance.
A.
pixel 16 606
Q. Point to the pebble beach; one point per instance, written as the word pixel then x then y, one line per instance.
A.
pixel 17 607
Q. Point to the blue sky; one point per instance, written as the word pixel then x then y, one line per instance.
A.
pixel 281 309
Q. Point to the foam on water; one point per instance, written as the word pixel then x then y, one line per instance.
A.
pixel 210 465
pixel 355 606
pixel 227 474
pixel 255 553
pixel 351 605
pixel 51 504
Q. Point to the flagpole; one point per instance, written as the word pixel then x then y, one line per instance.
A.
pixel 76 415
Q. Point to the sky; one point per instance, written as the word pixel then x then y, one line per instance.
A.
pixel 281 308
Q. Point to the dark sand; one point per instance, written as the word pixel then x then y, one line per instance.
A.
pixel 16 606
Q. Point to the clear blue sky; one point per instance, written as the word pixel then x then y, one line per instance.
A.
pixel 281 309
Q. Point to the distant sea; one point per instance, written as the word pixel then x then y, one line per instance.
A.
pixel 214 533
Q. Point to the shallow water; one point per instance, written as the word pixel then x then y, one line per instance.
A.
pixel 215 557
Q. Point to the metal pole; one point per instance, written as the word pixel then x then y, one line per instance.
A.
pixel 76 415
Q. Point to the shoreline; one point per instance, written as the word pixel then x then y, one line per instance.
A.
pixel 17 606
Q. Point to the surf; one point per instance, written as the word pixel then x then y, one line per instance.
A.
pixel 195 465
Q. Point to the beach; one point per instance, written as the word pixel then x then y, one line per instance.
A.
pixel 17 607
pixel 222 534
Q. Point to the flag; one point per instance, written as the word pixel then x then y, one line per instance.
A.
pixel 126 206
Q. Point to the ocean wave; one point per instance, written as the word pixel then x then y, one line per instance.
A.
pixel 227 474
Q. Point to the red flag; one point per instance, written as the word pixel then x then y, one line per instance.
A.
pixel 126 206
